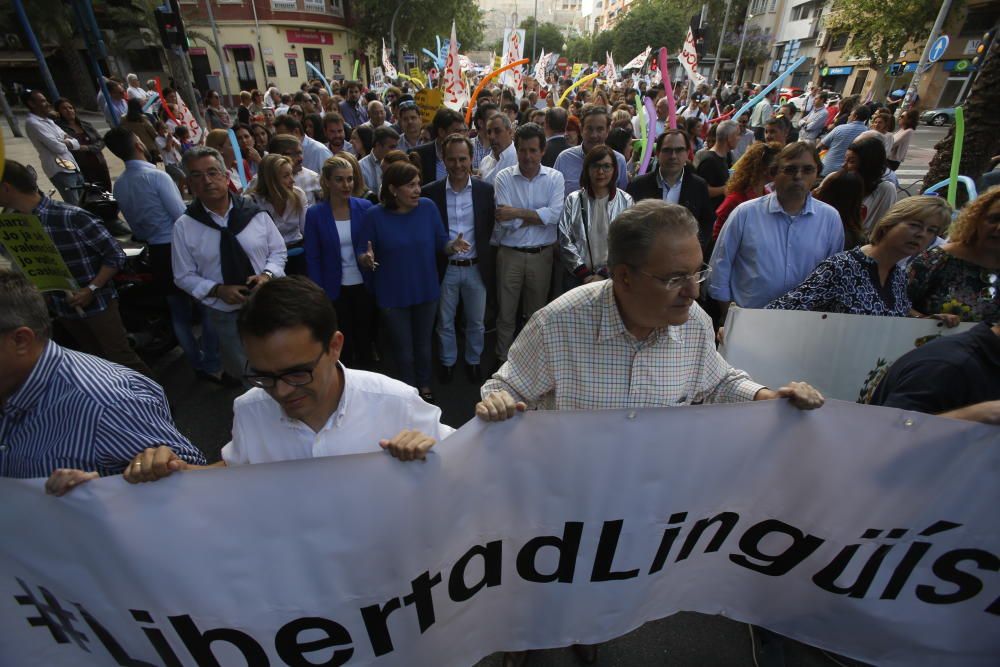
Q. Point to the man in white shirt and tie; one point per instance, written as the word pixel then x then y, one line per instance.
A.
pixel 53 146
pixel 502 152
pixel 224 248
pixel 529 200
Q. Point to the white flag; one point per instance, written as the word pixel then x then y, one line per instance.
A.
pixel 639 60
pixel 513 47
pixel 609 68
pixel 456 93
pixel 390 71
pixel 689 60
pixel 540 64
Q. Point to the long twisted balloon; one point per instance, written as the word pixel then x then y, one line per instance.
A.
pixel 491 75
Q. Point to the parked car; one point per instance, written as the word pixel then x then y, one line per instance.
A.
pixel 939 117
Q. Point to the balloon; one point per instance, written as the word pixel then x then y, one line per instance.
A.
pixel 956 154
pixel 163 104
pixel 579 82
pixel 650 130
pixel 668 88
pixel 774 84
pixel 239 157
pixel 356 64
pixel 641 112
pixel 319 74
pixel 482 84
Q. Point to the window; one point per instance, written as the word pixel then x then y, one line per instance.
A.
pixel 315 57
pixel 804 11
pixel 293 68
pixel 314 5
pixel 859 81
pixel 270 69
pixel 979 21
pixel 838 42
pixel 284 4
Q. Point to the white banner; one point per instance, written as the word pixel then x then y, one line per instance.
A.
pixel 390 70
pixel 456 92
pixel 689 60
pixel 513 48
pixel 844 356
pixel 639 61
pixel 867 531
pixel 609 69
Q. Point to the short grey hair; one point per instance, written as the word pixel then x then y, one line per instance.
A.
pixel 374 104
pixel 504 118
pixel 22 305
pixel 635 230
pixel 726 129
pixel 199 152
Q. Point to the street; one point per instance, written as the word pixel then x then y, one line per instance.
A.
pixel 203 412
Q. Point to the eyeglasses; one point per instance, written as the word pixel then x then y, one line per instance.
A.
pixel 296 378
pixel 210 174
pixel 602 166
pixel 677 282
pixel 792 170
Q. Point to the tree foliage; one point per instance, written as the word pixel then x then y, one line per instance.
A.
pixel 550 38
pixel 418 22
pixel 650 23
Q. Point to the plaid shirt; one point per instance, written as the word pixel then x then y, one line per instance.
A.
pixel 479 151
pixel 575 354
pixel 85 246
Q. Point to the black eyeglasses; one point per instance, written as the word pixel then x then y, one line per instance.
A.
pixel 295 378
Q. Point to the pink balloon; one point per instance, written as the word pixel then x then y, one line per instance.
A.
pixel 647 152
pixel 668 88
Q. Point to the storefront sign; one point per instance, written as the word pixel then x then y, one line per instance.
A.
pixel 309 37
pixel 836 71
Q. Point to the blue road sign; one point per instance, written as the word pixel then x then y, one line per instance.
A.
pixel 938 48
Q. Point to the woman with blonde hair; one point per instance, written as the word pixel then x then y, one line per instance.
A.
pixel 333 243
pixel 958 281
pixel 361 188
pixel 275 192
pixel 750 174
pixel 868 280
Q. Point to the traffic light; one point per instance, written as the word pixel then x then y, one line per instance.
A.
pixel 983 48
pixel 902 66
pixel 700 40
pixel 171 27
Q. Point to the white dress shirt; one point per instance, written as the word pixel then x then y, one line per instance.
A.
pixel 198 266
pixel 307 180
pixel 136 93
pixel 314 154
pixel 671 191
pixel 461 218
pixel 373 407
pixel 371 169
pixel 490 165
pixel 50 141
pixel 543 194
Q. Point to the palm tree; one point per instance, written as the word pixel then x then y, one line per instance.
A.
pixel 982 126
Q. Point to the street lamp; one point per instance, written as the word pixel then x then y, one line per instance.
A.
pixel 743 37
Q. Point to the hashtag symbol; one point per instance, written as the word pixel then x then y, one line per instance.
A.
pixel 51 615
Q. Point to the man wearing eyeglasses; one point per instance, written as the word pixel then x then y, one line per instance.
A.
pixel 674 183
pixel 224 248
pixel 305 403
pixel 771 244
pixel 637 340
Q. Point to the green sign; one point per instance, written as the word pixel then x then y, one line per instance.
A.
pixel 824 71
pixel 26 242
pixel 961 65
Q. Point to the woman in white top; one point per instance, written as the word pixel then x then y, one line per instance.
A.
pixel 276 193
pixel 866 157
pixel 333 243
pixel 901 139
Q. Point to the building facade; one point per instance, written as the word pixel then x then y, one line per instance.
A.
pixel 270 42
pixel 499 15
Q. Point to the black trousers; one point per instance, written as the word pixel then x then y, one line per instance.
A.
pixel 355 314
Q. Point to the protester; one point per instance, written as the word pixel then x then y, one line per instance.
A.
pixel 333 243
pixel 54 147
pixel 674 183
pixel 468 211
pixel 881 127
pixel 845 191
pixel 248 151
pixel 776 130
pixel 958 281
pixel 376 116
pixel 169 147
pixel 771 244
pixel 901 139
pixel 261 136
pixel 351 109
pixel 243 114
pixel 119 102
pixel 335 132
pixel 90 314
pixel 404 235
pixel 361 188
pixel 502 153
pixel 304 403
pixel 747 137
pixel 224 248
pixel 715 164
pixel 587 215
pixel 314 154
pixel 762 113
pixel 662 113
pixel 446 123
pixel 814 123
pixel 572 131
pixel 306 180
pixel 385 139
pixel 219 140
pixel 840 138
pixel 555 135
pixel 362 140
pixel 89 156
pixel 409 125
pixel 135 91
pixel 868 280
pixel 276 194
pixel 86 415
pixel 135 121
pixel 216 114
pixel 481 141
pixel 529 200
pixel 751 174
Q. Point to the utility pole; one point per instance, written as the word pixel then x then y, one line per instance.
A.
pixel 260 49
pixel 36 49
pixel 743 39
pixel 218 52
pixel 178 63
pixel 534 35
pixel 722 38
pixel 11 118
pixel 87 24
pixel 911 91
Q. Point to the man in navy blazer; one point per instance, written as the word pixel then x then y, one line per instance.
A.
pixel 468 208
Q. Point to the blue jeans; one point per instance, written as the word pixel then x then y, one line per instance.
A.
pixel 410 329
pixel 234 359
pixel 465 283
pixel 202 353
pixel 69 185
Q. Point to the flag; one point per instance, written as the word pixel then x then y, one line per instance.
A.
pixel 609 69
pixel 540 64
pixel 639 60
pixel 390 71
pixel 513 47
pixel 689 60
pixel 456 93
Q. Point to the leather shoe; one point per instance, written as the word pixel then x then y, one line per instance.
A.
pixel 447 373
pixel 587 653
pixel 474 372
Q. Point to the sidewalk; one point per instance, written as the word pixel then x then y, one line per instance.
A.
pixel 21 150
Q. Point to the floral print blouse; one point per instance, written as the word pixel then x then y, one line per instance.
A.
pixel 943 283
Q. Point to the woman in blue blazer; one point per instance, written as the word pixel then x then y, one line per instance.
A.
pixel 333 240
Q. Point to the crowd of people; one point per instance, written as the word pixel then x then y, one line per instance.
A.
pixel 339 228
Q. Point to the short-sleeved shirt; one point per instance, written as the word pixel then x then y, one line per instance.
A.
pixel 715 170
pixel 373 407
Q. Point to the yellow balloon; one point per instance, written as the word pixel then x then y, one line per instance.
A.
pixel 579 82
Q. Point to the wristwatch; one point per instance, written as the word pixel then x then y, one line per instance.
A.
pixel 92 287
pixel 268 273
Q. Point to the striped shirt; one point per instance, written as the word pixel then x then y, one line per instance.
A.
pixel 576 354
pixel 79 411
pixel 85 246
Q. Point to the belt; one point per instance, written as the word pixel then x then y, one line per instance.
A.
pixel 534 250
pixel 464 262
